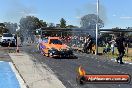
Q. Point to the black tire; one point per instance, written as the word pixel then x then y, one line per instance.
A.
pixel 49 54
pixel 13 45
pixel 3 44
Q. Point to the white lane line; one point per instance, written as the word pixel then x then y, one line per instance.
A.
pixel 2 61
pixel 20 80
pixel 124 62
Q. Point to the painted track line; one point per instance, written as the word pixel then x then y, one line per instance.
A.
pixel 114 60
pixel 19 78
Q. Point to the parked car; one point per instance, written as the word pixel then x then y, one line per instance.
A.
pixel 7 39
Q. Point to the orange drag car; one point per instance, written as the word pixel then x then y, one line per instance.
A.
pixel 54 47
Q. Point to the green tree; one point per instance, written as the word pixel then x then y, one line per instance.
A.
pixel 3 29
pixel 28 25
pixel 2 25
pixel 52 25
pixel 11 27
pixel 43 24
pixel 62 23
pixel 89 21
pixel 72 26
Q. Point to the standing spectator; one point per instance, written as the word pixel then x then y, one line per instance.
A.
pixel 39 39
pixel 81 41
pixel 15 36
pixel 112 45
pixel 90 42
pixel 32 38
pixel 107 48
pixel 85 47
pixel 121 48
pixel 21 39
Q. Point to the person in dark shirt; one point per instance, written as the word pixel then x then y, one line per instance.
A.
pixel 90 42
pixel 21 39
pixel 121 48
pixel 15 36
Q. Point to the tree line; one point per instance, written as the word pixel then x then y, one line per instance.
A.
pixel 31 23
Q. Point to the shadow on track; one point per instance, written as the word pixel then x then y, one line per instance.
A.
pixel 73 57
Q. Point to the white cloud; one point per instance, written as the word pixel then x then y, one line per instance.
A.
pixel 126 17
pixel 28 13
pixel 33 14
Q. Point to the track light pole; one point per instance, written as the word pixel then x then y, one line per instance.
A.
pixel 97 27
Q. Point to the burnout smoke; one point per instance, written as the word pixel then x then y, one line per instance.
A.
pixel 91 9
pixel 88 27
pixel 17 10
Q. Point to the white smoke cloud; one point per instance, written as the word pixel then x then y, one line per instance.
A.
pixel 126 17
pixel 91 8
pixel 78 17
pixel 16 10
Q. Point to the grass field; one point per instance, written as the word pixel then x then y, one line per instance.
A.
pixel 127 57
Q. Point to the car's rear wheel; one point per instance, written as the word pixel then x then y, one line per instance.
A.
pixel 12 45
pixel 49 54
pixel 46 54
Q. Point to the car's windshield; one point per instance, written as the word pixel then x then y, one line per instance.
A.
pixel 55 41
pixel 7 35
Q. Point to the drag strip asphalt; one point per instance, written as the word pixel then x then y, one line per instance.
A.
pixel 66 69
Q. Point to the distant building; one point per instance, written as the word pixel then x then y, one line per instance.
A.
pixel 71 31
pixel 58 25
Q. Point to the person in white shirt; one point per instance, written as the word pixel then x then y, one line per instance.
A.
pixel 112 45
